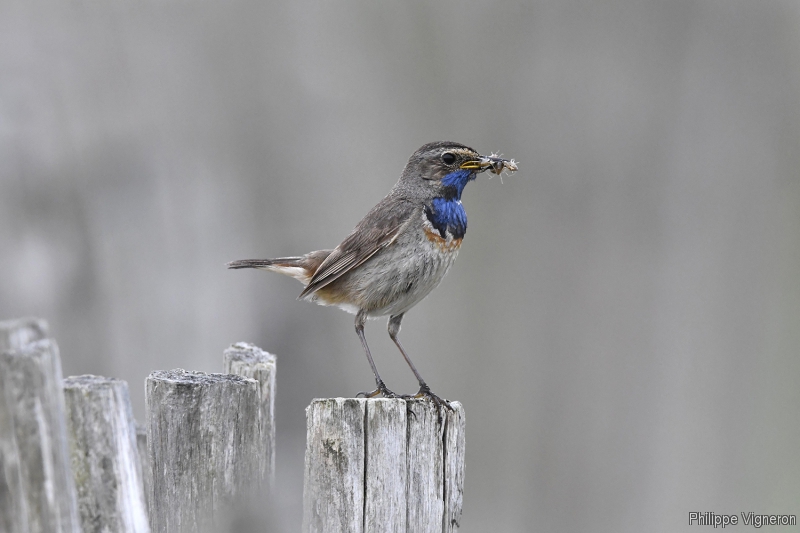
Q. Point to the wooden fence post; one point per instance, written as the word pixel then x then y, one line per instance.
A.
pixel 455 444
pixel 203 437
pixel 383 465
pixel 37 493
pixel 105 461
pixel 18 332
pixel 250 361
pixel 144 460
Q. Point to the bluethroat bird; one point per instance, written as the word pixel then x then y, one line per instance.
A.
pixel 399 252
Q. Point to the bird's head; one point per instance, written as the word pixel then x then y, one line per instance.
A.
pixel 444 168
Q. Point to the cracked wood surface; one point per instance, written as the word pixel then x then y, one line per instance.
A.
pixel 383 465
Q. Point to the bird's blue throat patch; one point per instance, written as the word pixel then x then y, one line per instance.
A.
pixel 446 212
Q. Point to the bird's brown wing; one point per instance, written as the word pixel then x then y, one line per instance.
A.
pixel 377 230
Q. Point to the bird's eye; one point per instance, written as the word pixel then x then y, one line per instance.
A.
pixel 448 158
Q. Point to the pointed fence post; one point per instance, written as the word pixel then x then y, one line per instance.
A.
pixel 105 461
pixel 383 465
pixel 37 492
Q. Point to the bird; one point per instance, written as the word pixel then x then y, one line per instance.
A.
pixel 399 252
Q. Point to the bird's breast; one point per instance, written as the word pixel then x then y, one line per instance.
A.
pixel 447 217
pixel 399 276
pixel 444 245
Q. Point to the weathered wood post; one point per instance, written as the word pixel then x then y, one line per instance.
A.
pixel 37 493
pixel 204 442
pixel 19 332
pixel 383 465
pixel 250 361
pixel 144 460
pixel 105 461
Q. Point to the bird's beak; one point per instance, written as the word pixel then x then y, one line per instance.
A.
pixel 480 164
pixel 493 162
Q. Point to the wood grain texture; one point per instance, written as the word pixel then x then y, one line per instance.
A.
pixel 383 465
pixel 425 469
pixel 105 462
pixel 37 493
pixel 250 361
pixel 205 448
pixel 454 450
pixel 333 492
pixel 14 334
pixel 386 466
pixel 144 460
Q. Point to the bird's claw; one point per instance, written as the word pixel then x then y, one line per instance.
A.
pixel 381 389
pixel 425 392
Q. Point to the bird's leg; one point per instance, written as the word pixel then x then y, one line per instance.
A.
pixel 424 390
pixel 381 387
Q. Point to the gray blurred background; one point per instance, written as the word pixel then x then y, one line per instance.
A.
pixel 623 324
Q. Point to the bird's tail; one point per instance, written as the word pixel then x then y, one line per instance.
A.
pixel 264 264
pixel 300 268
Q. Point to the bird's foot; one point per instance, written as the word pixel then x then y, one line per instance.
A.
pixel 425 392
pixel 382 390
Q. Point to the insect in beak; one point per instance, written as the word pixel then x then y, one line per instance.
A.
pixel 493 163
